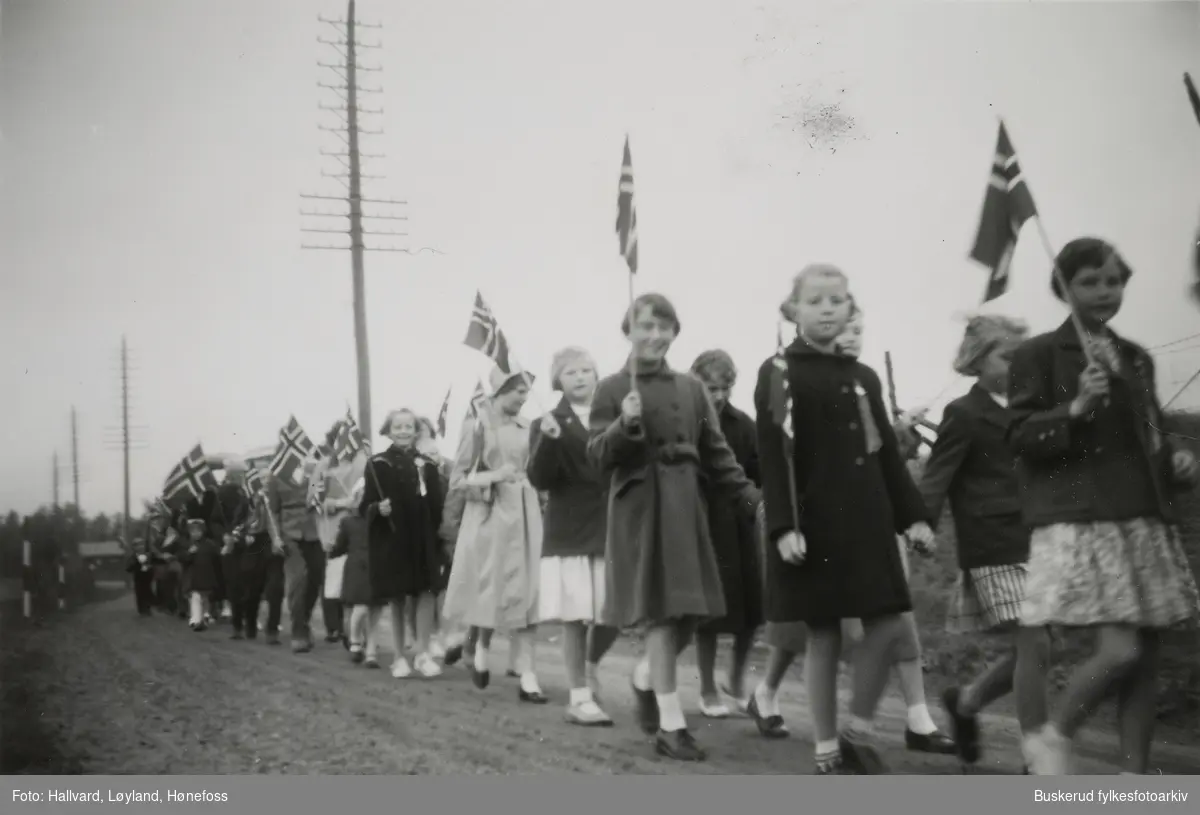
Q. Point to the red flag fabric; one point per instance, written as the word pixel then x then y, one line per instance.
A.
pixel 484 334
pixel 627 213
pixel 1007 205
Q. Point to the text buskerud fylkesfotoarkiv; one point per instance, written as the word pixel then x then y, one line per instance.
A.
pixel 122 797
pixel 1111 797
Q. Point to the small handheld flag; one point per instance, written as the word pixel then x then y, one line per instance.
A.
pixel 190 478
pixel 484 334
pixel 1007 205
pixel 295 448
pixel 442 414
pixel 627 213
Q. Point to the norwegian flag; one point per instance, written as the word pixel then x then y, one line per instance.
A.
pixel 349 439
pixel 253 484
pixel 1007 205
pixel 295 448
pixel 484 334
pixel 478 398
pixel 442 414
pixel 317 490
pixel 627 213
pixel 191 478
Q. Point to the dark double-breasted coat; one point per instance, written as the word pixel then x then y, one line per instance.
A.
pixel 971 466
pixel 576 515
pixel 1114 465
pixel 851 503
pixel 201 563
pixel 406 557
pixel 353 542
pixel 734 536
pixel 660 562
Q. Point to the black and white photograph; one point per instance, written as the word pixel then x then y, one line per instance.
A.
pixel 638 387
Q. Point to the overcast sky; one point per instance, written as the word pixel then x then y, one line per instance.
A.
pixel 154 152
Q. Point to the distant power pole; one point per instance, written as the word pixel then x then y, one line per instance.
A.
pixel 123 437
pixel 349 157
pixel 54 470
pixel 75 460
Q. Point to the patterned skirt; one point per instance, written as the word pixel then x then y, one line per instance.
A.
pixel 987 598
pixel 1116 573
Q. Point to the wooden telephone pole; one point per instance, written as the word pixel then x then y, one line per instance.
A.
pixel 54 470
pixel 349 157
pixel 122 438
pixel 75 460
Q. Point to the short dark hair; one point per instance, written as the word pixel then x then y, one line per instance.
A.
pixel 1085 253
pixel 660 308
pixel 715 366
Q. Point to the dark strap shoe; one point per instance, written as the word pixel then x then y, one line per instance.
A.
pixel 771 727
pixel 679 745
pixel 860 757
pixel 453 655
pixel 480 678
pixel 533 698
pixel 936 742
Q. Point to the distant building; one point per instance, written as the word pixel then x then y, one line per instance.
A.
pixel 104 558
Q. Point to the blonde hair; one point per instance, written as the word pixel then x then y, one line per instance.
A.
pixel 787 309
pixel 983 333
pixel 563 358
pixel 386 430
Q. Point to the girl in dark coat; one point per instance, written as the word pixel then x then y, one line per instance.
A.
pixel 971 468
pixel 353 542
pixel 656 437
pixel 201 560
pixel 1097 475
pixel 837 494
pixel 571 585
pixel 403 506
pixel 734 541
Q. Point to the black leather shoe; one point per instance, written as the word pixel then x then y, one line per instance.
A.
pixel 964 728
pixel 453 655
pixel 647 711
pixel 860 758
pixel 678 745
pixel 936 742
pixel 511 674
pixel 534 698
pixel 771 727
pixel 480 678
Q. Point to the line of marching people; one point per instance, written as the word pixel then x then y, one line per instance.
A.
pixel 645 500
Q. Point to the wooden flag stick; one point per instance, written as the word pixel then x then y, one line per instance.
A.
pixel 1193 96
pixel 1076 320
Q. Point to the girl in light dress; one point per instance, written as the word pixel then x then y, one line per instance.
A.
pixel 493 581
pixel 571 589
pixel 1099 476
pixel 837 493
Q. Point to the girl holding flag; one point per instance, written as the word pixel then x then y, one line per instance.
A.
pixel 1098 473
pixel 837 494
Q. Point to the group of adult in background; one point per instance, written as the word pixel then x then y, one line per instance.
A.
pixel 646 501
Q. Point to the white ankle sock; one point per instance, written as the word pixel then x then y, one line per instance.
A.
pixel 641 675
pixel 919 720
pixel 529 682
pixel 768 702
pixel 670 712
pixel 827 749
pixel 481 658
pixel 581 696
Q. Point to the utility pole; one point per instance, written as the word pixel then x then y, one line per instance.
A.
pixel 349 131
pixel 54 470
pixel 124 438
pixel 75 460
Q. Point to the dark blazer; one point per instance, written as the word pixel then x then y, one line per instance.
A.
pixel 576 516
pixel 851 503
pixel 1109 466
pixel 970 464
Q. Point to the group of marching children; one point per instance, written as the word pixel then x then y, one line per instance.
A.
pixel 645 500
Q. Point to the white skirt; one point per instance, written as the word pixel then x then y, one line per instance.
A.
pixel 571 589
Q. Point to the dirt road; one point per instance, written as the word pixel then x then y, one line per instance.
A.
pixel 104 691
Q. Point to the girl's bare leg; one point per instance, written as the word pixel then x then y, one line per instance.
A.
pixel 1136 700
